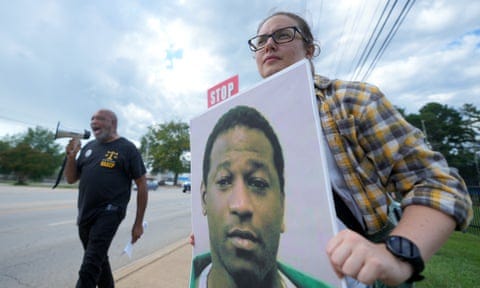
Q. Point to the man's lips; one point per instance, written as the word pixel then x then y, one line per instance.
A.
pixel 243 239
pixel 96 130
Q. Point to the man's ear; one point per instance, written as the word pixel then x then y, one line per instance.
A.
pixel 203 196
pixel 283 227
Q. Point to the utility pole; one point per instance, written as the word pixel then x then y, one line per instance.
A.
pixel 426 136
pixel 476 156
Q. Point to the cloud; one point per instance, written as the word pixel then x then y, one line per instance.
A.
pixel 173 86
pixel 434 76
pixel 153 61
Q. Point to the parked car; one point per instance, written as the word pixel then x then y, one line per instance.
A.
pixel 169 182
pixel 151 185
pixel 186 186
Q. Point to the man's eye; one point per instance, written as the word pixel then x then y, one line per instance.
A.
pixel 258 184
pixel 223 181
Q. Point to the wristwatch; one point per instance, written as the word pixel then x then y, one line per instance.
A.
pixel 407 251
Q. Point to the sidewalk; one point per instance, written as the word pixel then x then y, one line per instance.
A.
pixel 167 268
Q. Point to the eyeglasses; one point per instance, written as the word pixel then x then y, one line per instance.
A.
pixel 280 36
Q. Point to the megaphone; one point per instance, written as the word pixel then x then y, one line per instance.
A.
pixel 62 133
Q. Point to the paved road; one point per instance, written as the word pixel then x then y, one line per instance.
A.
pixel 39 246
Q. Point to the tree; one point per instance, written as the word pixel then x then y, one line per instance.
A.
pixel 471 116
pixel 4 146
pixel 32 155
pixel 449 133
pixel 41 140
pixel 163 146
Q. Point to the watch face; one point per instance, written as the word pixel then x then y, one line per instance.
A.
pixel 407 251
pixel 402 247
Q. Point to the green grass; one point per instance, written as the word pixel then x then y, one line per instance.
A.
pixel 456 264
pixel 476 219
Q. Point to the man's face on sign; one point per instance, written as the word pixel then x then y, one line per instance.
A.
pixel 243 202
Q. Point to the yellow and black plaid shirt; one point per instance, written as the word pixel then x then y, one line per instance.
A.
pixel 378 151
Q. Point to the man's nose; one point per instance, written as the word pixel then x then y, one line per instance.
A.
pixel 240 199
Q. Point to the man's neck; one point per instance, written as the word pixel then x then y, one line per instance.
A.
pixel 111 138
pixel 272 279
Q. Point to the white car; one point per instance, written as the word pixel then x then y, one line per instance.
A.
pixel 169 182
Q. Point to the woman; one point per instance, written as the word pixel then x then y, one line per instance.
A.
pixel 372 150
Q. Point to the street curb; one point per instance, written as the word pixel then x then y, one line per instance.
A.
pixel 141 263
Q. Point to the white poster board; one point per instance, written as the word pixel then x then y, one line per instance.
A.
pixel 288 102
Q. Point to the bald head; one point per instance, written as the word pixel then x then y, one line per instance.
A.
pixel 104 125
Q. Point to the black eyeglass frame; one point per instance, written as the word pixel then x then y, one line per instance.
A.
pixel 254 47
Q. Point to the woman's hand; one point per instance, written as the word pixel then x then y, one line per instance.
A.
pixel 191 239
pixel 355 256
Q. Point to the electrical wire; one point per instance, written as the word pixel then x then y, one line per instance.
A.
pixel 368 49
pixel 361 43
pixel 16 121
pixel 341 48
pixel 27 125
pixel 398 22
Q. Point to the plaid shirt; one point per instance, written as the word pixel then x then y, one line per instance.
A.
pixel 378 151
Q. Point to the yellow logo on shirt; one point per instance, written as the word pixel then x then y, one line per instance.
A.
pixel 109 161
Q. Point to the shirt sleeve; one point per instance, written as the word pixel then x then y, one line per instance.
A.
pixel 136 163
pixel 409 167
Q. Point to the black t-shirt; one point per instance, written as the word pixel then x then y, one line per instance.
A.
pixel 106 172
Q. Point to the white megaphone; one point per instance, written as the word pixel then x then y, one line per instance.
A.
pixel 62 133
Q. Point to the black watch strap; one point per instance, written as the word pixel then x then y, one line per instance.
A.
pixel 415 278
pixel 407 251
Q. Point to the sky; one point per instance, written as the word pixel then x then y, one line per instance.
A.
pixel 153 61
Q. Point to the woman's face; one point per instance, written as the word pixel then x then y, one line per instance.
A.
pixel 275 57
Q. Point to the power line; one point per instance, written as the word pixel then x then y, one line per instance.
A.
pixel 23 123
pixel 398 22
pixel 368 49
pixel 339 54
pixel 16 121
pixel 364 38
pixel 360 70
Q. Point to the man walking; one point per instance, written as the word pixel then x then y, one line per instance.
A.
pixel 105 167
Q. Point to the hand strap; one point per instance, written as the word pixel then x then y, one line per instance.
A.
pixel 60 173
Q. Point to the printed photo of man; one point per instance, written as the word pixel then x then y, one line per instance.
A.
pixel 243 198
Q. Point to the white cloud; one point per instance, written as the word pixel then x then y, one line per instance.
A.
pixel 435 17
pixel 153 61
pixel 177 85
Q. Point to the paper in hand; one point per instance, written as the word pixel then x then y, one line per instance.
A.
pixel 129 247
pixel 128 250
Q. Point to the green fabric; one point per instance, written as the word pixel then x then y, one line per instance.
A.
pixel 301 280
pixel 199 263
pixel 379 284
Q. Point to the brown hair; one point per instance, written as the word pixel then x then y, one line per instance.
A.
pixel 302 25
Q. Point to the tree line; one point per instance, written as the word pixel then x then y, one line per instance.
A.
pixel 454 133
pixel 34 155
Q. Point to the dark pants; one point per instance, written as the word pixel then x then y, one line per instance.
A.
pixel 96 237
